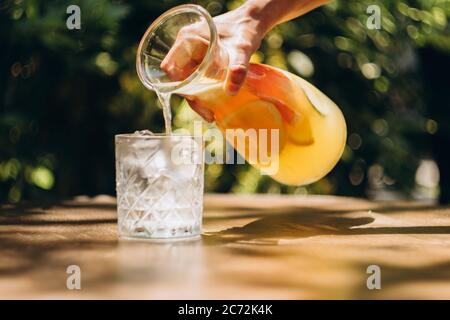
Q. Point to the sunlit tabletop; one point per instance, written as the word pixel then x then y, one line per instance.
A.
pixel 252 247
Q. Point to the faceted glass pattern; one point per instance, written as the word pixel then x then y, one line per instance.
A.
pixel 159 184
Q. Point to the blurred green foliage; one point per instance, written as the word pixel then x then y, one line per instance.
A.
pixel 64 94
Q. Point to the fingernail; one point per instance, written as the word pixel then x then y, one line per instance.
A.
pixel 237 76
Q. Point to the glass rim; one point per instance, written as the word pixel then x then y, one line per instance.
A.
pixel 156 136
pixel 174 85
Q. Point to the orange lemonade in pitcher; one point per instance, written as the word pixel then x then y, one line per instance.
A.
pixel 310 128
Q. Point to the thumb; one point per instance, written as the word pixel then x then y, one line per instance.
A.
pixel 237 70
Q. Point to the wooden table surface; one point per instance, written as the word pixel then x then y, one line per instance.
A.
pixel 253 247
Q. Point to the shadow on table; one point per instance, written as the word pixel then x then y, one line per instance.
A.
pixel 379 207
pixel 292 223
pixel 31 208
pixel 29 233
pixel 269 226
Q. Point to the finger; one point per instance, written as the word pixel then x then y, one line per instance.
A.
pixel 237 71
pixel 184 56
pixel 177 73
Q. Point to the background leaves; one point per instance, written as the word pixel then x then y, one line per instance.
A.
pixel 64 94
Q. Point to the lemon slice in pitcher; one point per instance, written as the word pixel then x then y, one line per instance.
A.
pixel 300 131
pixel 318 100
pixel 256 115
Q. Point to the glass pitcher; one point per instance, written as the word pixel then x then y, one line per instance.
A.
pixel 310 129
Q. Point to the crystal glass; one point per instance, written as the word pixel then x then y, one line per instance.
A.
pixel 159 184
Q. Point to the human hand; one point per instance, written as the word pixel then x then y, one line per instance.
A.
pixel 238 31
